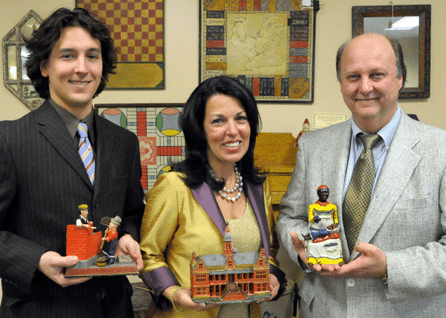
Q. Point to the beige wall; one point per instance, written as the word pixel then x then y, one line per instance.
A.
pixel 181 22
pixel 333 28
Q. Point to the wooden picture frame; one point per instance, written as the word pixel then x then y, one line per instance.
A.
pixel 157 127
pixel 137 28
pixel 416 49
pixel 267 45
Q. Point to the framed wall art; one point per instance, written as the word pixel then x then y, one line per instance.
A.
pixel 137 27
pixel 14 58
pixel 411 25
pixel 267 45
pixel 161 140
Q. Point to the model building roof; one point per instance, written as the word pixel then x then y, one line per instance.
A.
pixel 217 262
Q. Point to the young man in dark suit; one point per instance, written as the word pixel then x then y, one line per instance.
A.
pixel 44 176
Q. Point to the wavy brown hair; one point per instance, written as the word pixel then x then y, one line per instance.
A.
pixel 45 37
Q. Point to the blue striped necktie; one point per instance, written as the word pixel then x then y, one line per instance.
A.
pixel 85 150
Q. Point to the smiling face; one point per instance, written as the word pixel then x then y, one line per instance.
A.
pixel 74 69
pixel 84 213
pixel 369 82
pixel 227 131
pixel 112 226
pixel 323 194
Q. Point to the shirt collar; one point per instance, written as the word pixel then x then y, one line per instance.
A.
pixel 387 132
pixel 72 122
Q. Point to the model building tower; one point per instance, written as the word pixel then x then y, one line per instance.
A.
pixel 231 276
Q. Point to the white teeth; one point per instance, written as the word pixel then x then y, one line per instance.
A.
pixel 233 144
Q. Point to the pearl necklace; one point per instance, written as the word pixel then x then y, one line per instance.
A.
pixel 225 192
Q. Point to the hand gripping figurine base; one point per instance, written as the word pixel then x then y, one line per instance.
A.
pixel 88 247
pixel 323 242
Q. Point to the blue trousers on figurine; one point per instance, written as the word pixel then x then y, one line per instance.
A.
pixel 111 251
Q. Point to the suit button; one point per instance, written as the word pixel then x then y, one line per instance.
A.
pixel 350 282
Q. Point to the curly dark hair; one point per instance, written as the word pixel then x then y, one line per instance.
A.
pixel 192 124
pixel 45 37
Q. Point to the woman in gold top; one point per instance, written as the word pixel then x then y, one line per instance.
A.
pixel 187 209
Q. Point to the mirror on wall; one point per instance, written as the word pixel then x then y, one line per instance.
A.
pixel 411 25
pixel 14 58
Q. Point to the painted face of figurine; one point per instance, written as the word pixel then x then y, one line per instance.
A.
pixel 323 194
pixel 369 82
pixel 112 226
pixel 84 213
pixel 227 131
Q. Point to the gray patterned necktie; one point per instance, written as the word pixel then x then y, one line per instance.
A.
pixel 359 191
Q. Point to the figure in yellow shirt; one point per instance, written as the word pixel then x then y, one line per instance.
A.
pixel 323 242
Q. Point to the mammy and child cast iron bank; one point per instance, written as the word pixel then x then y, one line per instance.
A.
pixel 323 242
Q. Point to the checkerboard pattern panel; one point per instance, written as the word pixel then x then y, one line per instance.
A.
pixel 137 27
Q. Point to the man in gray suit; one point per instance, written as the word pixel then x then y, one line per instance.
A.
pixel 43 179
pixel 396 267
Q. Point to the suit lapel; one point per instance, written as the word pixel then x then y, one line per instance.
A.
pixel 104 149
pixel 256 198
pixel 54 130
pixel 205 197
pixel 338 165
pixel 400 163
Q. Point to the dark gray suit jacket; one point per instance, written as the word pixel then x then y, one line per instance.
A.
pixel 42 182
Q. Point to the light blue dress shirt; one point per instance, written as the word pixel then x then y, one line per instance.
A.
pixel 379 151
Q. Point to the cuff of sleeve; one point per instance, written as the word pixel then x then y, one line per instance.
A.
pixel 280 277
pixel 304 266
pixel 278 273
pixel 159 279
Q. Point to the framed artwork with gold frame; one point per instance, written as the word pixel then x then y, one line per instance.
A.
pixel 137 28
pixel 267 45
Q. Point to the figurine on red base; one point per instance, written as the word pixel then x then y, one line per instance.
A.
pixel 323 242
pixel 83 217
pixel 87 246
pixel 111 236
pixel 305 128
